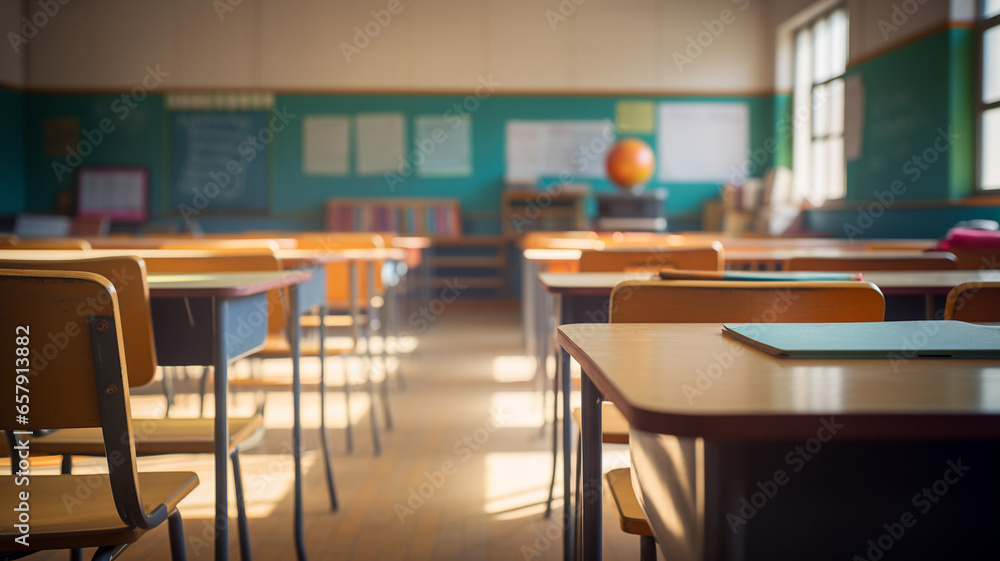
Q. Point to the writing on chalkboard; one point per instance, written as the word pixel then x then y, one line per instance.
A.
pixel 218 161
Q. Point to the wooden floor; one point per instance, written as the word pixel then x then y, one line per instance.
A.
pixel 470 410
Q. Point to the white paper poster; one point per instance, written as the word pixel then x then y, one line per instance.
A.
pixel 702 142
pixel 443 147
pixel 381 142
pixel 326 142
pixel 551 148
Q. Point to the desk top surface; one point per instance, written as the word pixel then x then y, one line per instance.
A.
pixel 201 285
pixel 600 284
pixel 690 380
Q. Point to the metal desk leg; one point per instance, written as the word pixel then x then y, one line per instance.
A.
pixel 295 333
pixel 323 439
pixel 593 506
pixel 567 430
pixel 370 359
pixel 376 317
pixel 221 432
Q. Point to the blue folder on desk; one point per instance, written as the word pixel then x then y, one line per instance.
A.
pixel 760 276
pixel 911 339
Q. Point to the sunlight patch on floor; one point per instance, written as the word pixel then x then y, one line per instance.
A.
pixel 513 368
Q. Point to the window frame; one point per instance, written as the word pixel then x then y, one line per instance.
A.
pixel 980 107
pixel 810 25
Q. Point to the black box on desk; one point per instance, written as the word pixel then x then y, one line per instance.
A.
pixel 643 212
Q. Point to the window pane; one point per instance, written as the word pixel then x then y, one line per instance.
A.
pixel 991 8
pixel 836 103
pixel 991 65
pixel 838 42
pixel 990 150
pixel 821 110
pixel 837 169
pixel 820 172
pixel 821 50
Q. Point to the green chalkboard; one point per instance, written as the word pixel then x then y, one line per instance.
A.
pixel 218 161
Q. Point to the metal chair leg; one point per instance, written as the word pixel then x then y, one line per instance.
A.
pixel 555 446
pixel 204 384
pixel 373 415
pixel 176 527
pixel 349 427
pixel 324 441
pixel 169 390
pixel 76 554
pixel 241 508
pixel 647 548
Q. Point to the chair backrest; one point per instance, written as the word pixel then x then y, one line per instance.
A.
pixel 974 301
pixel 661 301
pixel 78 374
pixel 708 258
pixel 338 274
pixel 972 259
pixel 90 226
pixel 128 276
pixel 873 261
pixel 222 244
pixel 231 260
pixel 46 243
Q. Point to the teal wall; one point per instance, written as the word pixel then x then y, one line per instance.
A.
pixel 135 138
pixel 12 151
pixel 916 96
pixel 296 199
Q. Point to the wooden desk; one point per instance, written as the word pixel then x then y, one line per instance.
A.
pixel 213 319
pixel 583 298
pixel 877 436
pixel 890 282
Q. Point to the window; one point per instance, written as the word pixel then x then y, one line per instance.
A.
pixel 988 95
pixel 818 98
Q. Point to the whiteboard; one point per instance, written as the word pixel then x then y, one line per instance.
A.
pixel 702 142
pixel 114 192
pixel 552 148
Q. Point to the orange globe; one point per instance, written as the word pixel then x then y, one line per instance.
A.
pixel 630 162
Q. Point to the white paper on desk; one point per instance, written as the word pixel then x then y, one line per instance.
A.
pixel 551 148
pixel 446 146
pixel 702 142
pixel 854 117
pixel 381 142
pixel 326 144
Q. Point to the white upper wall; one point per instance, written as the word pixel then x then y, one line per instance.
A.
pixel 673 46
pixel 875 25
pixel 13 51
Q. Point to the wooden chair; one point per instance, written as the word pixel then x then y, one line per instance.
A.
pixel 873 261
pixel 244 259
pixel 160 436
pixel 92 393
pixel 899 306
pixel 974 259
pixel 974 302
pixel 218 243
pixel 709 258
pixel 681 301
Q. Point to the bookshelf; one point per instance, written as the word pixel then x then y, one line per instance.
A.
pixel 412 216
pixel 528 210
